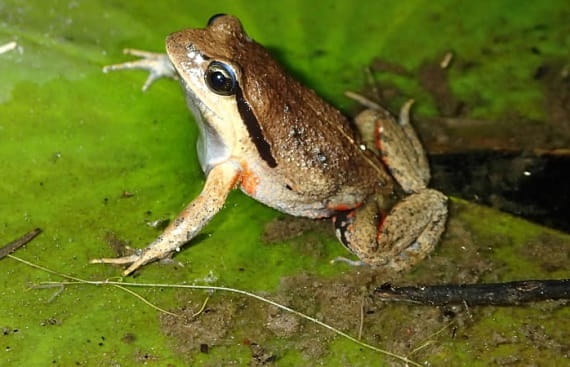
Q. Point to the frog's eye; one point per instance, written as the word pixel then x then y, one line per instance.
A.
pixel 214 17
pixel 221 78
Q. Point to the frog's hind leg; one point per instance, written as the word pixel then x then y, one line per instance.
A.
pixel 412 228
pixel 357 230
pixel 397 144
pixel 400 239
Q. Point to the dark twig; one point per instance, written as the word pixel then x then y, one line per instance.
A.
pixel 511 293
pixel 13 246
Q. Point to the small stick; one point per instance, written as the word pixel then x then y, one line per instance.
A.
pixel 363 100
pixel 373 83
pixel 8 47
pixel 199 312
pixel 504 294
pixel 13 246
pixel 446 61
pixel 361 326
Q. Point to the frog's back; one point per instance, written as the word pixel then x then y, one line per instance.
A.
pixel 313 161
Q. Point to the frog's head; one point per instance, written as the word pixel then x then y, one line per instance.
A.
pixel 230 80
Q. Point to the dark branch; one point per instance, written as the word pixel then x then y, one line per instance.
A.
pixel 511 293
pixel 13 246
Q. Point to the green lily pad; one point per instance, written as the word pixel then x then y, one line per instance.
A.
pixel 91 159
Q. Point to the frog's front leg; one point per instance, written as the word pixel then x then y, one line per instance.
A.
pixel 158 65
pixel 220 181
pixel 413 226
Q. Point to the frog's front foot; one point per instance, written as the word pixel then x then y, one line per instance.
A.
pixel 161 248
pixel 158 65
pixel 135 261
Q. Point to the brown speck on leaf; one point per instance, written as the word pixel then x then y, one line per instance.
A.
pixel 260 356
pixel 129 338
pixel 119 246
pixel 204 348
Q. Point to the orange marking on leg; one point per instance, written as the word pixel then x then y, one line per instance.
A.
pixel 378 141
pixel 343 207
pixel 249 180
pixel 381 223
pixel 378 135
pixel 235 182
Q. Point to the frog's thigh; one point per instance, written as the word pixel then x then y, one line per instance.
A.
pixel 357 229
pixel 367 124
pixel 411 230
pixel 399 240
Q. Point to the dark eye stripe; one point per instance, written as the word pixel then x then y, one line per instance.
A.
pixel 254 129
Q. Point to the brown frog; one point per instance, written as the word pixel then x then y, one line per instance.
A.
pixel 281 144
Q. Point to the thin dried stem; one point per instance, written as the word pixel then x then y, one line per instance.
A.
pixel 79 281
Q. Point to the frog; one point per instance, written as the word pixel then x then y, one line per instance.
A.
pixel 263 132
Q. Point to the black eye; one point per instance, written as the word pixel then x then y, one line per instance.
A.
pixel 214 17
pixel 221 78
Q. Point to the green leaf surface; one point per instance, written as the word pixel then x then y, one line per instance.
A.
pixel 74 141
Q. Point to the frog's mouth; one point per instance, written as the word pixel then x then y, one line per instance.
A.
pixel 210 147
